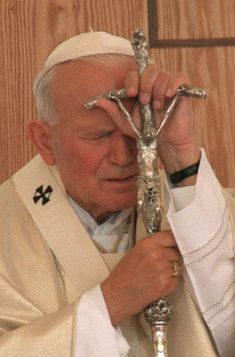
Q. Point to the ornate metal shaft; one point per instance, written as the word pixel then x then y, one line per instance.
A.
pixel 159 312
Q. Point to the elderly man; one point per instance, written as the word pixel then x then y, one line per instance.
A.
pixel 77 267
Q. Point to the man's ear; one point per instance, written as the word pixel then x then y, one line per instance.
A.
pixel 39 134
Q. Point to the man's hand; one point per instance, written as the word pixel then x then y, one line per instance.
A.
pixel 178 147
pixel 142 276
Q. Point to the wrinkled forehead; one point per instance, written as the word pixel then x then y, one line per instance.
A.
pixel 77 81
pixel 90 77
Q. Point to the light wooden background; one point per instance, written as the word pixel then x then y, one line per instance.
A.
pixel 30 29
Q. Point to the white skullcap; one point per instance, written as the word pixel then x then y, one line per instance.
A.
pixel 86 44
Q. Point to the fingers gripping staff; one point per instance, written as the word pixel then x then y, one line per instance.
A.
pixel 159 312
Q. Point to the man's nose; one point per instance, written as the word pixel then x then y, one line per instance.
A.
pixel 122 150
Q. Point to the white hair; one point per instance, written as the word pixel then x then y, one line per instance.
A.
pixel 43 89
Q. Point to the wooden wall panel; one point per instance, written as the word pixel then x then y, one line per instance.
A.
pixel 195 19
pixel 211 67
pixel 29 30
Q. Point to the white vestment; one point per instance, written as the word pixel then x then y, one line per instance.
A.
pixel 48 263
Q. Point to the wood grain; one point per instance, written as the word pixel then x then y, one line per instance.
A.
pixel 210 68
pixel 195 19
pixel 30 29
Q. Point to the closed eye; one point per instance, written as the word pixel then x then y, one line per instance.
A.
pixel 98 136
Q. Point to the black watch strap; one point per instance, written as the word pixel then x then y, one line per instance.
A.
pixel 179 176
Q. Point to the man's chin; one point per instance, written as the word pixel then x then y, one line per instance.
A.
pixel 118 202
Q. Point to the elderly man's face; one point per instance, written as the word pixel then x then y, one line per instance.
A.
pixel 97 162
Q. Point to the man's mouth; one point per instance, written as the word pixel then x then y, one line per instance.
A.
pixel 121 179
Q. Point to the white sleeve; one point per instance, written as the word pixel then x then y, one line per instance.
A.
pixel 96 337
pixel 200 222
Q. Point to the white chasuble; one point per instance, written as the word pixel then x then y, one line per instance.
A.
pixel 47 261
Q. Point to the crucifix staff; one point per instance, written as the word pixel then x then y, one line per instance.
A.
pixel 159 312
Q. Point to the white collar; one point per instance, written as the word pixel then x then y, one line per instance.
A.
pixel 105 234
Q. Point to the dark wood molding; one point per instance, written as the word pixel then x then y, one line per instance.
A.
pixel 154 42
